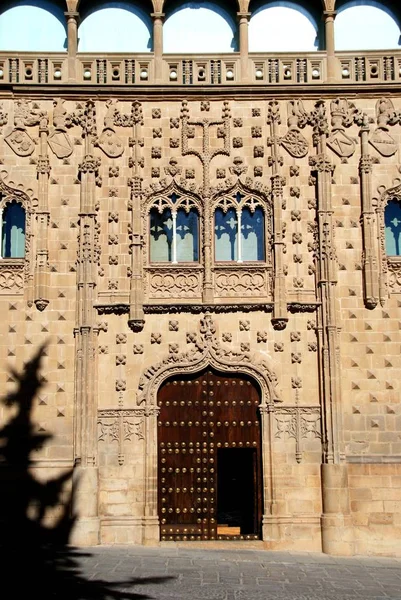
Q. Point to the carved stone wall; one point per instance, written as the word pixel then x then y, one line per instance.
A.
pixel 315 323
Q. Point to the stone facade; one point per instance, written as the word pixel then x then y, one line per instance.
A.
pixel 315 324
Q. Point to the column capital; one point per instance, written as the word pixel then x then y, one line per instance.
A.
pixel 157 15
pixel 72 14
pixel 243 15
pixel 329 13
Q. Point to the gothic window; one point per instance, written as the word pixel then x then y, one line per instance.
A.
pixel 392 222
pixel 13 231
pixel 376 27
pixel 282 29
pixel 199 28
pixel 174 231
pixel 115 27
pixel 239 230
pixel 39 28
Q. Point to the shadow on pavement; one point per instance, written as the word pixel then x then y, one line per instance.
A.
pixel 35 555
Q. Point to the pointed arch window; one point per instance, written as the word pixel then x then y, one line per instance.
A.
pixel 174 230
pixel 392 222
pixel 239 229
pixel 13 230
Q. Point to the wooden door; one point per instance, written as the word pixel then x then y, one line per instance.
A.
pixel 201 418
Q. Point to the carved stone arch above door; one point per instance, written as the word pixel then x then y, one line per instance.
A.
pixel 207 352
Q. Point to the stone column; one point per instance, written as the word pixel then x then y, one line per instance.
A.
pixel 370 260
pixel 243 20
pixel 270 526
pixel 150 528
pixel 158 44
pixel 280 315
pixel 337 532
pixel 1 232
pixel 136 318
pixel 336 519
pixel 332 63
pixel 72 43
pixel 41 276
pixel 208 292
pixel 86 530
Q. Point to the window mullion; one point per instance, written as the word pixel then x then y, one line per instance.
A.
pixel 174 256
pixel 239 239
pixel 1 232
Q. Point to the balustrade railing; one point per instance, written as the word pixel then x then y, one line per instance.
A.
pixel 290 69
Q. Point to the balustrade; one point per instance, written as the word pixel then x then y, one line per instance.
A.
pixel 288 69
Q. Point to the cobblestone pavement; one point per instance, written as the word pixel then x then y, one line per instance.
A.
pixel 191 573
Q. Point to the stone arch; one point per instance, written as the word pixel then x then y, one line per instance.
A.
pixel 245 189
pixel 172 188
pixel 8 194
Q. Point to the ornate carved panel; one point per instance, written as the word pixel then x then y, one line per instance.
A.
pixel 174 282
pixel 240 282
pixel 394 275
pixel 297 423
pixel 120 426
pixel 12 277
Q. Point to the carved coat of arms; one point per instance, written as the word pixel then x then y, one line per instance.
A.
pixel 110 143
pixel 60 144
pixel 20 142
